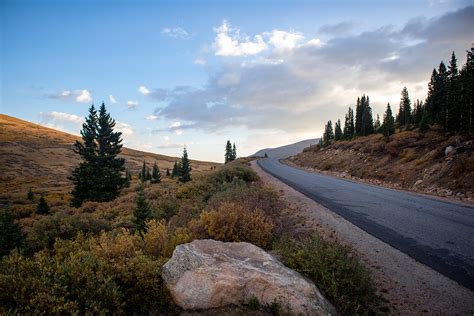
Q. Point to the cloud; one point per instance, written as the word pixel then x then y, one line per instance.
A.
pixel 84 97
pixel 143 90
pixel 65 122
pixel 81 96
pixel 152 117
pixel 297 85
pixel 283 40
pixel 200 61
pixel 342 28
pixel 124 128
pixel 169 146
pixel 112 99
pixel 132 104
pixel 176 32
pixel 228 42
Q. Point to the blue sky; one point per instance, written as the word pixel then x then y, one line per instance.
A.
pixel 196 73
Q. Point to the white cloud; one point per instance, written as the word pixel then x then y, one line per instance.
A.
pixel 143 90
pixel 84 96
pixel 132 104
pixel 66 122
pixel 283 40
pixel 200 61
pixel 176 32
pixel 61 116
pixel 175 125
pixel 124 128
pixel 314 42
pixel 229 43
pixel 66 93
pixel 152 117
pixel 112 99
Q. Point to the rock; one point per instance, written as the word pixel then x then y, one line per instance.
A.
pixel 207 274
pixel 448 150
pixel 417 184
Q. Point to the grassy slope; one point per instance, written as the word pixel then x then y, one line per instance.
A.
pixel 35 156
pixel 401 161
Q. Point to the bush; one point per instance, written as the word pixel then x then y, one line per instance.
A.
pixel 333 268
pixel 233 222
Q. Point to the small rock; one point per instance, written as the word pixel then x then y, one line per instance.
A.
pixel 207 274
pixel 448 150
pixel 417 184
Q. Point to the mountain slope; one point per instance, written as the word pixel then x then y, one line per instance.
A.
pixel 32 155
pixel 287 150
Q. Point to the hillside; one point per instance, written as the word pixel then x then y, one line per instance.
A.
pixel 408 160
pixel 35 156
pixel 287 150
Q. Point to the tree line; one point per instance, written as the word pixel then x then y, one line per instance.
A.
pixel 449 104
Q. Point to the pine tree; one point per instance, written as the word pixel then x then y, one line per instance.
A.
pixel 143 175
pixel 30 196
pixel 43 207
pixel 328 135
pixel 404 113
pixel 424 122
pixel 142 211
pixel 266 155
pixel 358 117
pixel 175 172
pixel 338 131
pixel 432 105
pixel 442 95
pixel 467 94
pixel 234 152
pixel 185 172
pixel 418 111
pixel 367 122
pixel 168 172
pixel 11 236
pixel 349 128
pixel 228 152
pixel 156 174
pixel 388 126
pixel 454 109
pixel 99 176
pixel 377 124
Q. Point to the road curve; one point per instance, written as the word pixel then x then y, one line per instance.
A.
pixel 436 233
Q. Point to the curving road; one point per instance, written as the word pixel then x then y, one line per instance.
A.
pixel 434 232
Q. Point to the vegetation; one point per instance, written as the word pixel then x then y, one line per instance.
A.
pixel 98 151
pixel 11 235
pixel 43 207
pixel 230 152
pixel 185 167
pixel 156 174
pixel 449 104
pixel 106 257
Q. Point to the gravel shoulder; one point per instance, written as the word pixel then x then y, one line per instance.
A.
pixel 410 287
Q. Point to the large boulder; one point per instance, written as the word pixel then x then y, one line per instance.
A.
pixel 206 274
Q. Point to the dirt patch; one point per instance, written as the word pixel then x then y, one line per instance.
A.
pixel 409 287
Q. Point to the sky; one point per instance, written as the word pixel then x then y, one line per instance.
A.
pixel 197 73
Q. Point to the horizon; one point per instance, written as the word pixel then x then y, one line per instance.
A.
pixel 261 74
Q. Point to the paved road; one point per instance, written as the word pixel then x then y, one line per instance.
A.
pixel 436 233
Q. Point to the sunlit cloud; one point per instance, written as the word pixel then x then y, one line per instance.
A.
pixel 175 32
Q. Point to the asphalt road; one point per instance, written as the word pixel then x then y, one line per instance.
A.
pixel 436 233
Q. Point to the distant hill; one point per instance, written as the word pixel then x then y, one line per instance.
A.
pixel 35 156
pixel 286 151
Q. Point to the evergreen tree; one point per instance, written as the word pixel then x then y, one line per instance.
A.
pixel 328 135
pixel 43 207
pixel 99 176
pixel 442 95
pixel 228 152
pixel 128 178
pixel 367 122
pixel 234 152
pixel 349 128
pixel 418 111
pixel 454 106
pixel 266 155
pixel 175 172
pixel 377 124
pixel 185 172
pixel 358 117
pixel 404 113
pixel 11 235
pixel 156 174
pixel 168 172
pixel 338 131
pixel 467 94
pixel 30 196
pixel 143 173
pixel 431 102
pixel 423 125
pixel 142 211
pixel 388 125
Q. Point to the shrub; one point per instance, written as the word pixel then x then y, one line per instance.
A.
pixel 233 222
pixel 332 267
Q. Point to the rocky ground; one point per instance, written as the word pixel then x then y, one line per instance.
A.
pixel 409 288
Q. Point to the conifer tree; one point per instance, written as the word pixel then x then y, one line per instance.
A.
pixel 143 175
pixel 176 170
pixel 142 211
pixel 454 106
pixel 156 174
pixel 404 113
pixel 99 175
pixel 367 122
pixel 266 155
pixel 388 125
pixel 442 96
pixel 338 131
pixel 377 124
pixel 168 172
pixel 234 152
pixel 328 135
pixel 467 94
pixel 185 172
pixel 43 207
pixel 424 122
pixel 30 196
pixel 128 178
pixel 11 235
pixel 431 102
pixel 349 128
pixel 418 110
pixel 358 117
pixel 228 152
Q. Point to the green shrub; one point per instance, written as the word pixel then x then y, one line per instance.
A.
pixel 333 268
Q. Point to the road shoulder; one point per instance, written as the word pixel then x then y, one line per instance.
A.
pixel 409 286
